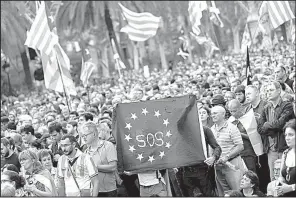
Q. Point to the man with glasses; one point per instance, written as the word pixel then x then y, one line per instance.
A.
pixel 55 132
pixel 276 173
pixel 105 158
pixel 77 172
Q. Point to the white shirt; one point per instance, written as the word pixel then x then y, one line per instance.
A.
pixel 149 178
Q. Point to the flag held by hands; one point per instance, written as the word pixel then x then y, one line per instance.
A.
pixel 141 26
pixel 158 134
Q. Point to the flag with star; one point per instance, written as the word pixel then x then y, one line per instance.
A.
pixel 158 134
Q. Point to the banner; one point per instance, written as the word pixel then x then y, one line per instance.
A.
pixel 158 134
pixel 195 9
pixel 250 124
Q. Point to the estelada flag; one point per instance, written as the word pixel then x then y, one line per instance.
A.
pixel 158 134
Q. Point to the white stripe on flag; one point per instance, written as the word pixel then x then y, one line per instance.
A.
pixel 141 26
pixel 87 69
pixel 40 37
pixel 246 40
pixel 279 12
pixel 195 9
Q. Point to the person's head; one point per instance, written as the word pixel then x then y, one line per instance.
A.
pixel 5 147
pixel 235 108
pixel 10 167
pixel 60 118
pixel 11 117
pixel 273 90
pixel 218 100
pixel 289 130
pixel 104 131
pixel 252 93
pixel 45 156
pixel 18 141
pixel 68 144
pixel 72 127
pixel 36 123
pixel 216 89
pixel 7 190
pixel 11 126
pixel 137 94
pixel 229 96
pixel 280 73
pixel 218 114
pixel 277 168
pixel 73 115
pixel 249 180
pixel 155 89
pixel 9 176
pixel 257 84
pixel 85 117
pixel 65 112
pixel 36 145
pixel 55 131
pixel 240 93
pixel 89 132
pixel 204 113
pixel 234 84
pixel 29 161
pixel 28 133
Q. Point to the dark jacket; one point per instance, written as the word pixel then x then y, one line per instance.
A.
pixel 274 128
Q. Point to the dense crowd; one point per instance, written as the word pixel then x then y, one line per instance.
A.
pixel 54 147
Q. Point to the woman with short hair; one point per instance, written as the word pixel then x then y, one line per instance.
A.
pixel 250 185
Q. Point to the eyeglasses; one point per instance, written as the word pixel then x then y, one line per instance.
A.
pixel 85 135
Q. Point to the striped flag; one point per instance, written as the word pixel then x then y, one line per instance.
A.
pixel 87 68
pixel 195 14
pixel 40 37
pixel 292 32
pixel 246 41
pixel 141 26
pixel 279 12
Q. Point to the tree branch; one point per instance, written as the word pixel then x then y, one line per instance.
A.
pixel 242 5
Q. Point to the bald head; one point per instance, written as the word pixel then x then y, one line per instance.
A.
pixel 235 108
pixel 234 103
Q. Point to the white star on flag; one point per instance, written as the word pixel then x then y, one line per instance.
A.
pixel 151 158
pixel 132 148
pixel 128 137
pixel 157 114
pixel 168 134
pixel 140 156
pixel 166 122
pixel 134 116
pixel 128 126
pixel 161 155
pixel 168 145
pixel 144 111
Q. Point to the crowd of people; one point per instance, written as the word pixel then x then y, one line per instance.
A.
pixel 53 145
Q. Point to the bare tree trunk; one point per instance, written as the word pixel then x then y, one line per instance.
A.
pixel 162 56
pixel 28 78
pixel 236 40
pixel 136 56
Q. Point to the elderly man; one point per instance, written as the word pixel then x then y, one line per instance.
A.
pixel 105 158
pixel 230 140
pixel 271 123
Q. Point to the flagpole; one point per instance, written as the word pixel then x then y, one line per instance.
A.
pixel 87 90
pixel 63 83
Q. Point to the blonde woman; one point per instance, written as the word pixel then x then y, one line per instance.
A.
pixel 39 181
